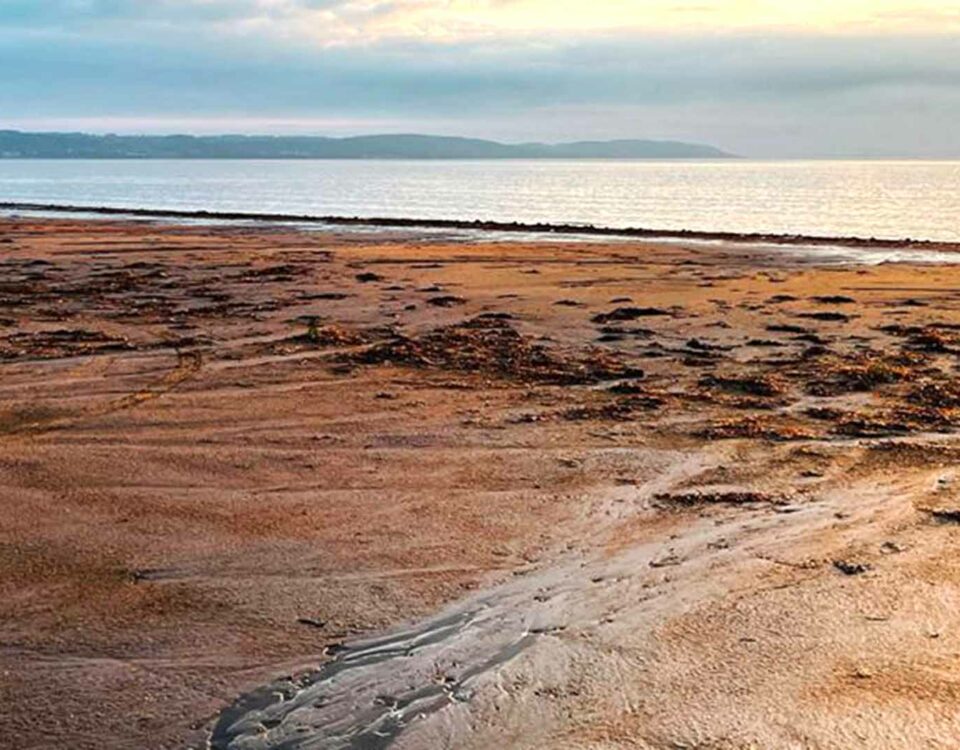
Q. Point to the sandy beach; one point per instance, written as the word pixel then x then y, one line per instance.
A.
pixel 263 488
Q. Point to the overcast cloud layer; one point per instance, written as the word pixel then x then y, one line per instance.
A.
pixel 807 78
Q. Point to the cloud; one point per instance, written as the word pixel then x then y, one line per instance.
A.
pixel 338 22
pixel 258 64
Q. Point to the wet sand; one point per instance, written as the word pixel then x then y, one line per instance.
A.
pixel 592 495
pixel 490 228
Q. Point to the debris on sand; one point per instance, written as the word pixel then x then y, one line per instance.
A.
pixel 636 331
pixel 870 427
pixel 621 314
pixel 937 395
pixel 935 338
pixel 827 316
pixel 495 316
pixel 823 413
pixel 849 568
pixel 492 347
pixel 786 328
pixel 766 343
pixel 704 498
pixel 756 428
pixel 636 389
pixel 368 276
pixel 903 421
pixel 931 340
pixel 329 335
pixel 60 343
pixel 280 273
pixel 834 299
pixel 944 515
pixel 318 296
pixel 446 300
pixel 623 409
pixel 704 346
pixel 864 372
pixel 751 385
pixel 811 338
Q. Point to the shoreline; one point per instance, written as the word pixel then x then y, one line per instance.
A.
pixel 587 230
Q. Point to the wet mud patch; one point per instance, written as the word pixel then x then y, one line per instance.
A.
pixel 29 417
pixel 338 706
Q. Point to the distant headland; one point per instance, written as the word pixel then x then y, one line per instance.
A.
pixel 15 144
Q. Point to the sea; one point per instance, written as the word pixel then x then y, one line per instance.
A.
pixel 869 199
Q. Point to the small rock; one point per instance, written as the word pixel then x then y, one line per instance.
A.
pixel 849 568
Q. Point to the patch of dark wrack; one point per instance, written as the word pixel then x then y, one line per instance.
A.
pixel 60 343
pixel 753 385
pixel 496 316
pixel 446 300
pixel 943 515
pixel 901 421
pixel 704 346
pixel 703 498
pixel 862 372
pixel 938 395
pixel 151 574
pixel 786 328
pixel 699 361
pixel 622 409
pixel 318 296
pixel 141 291
pixel 311 622
pixel 622 314
pixel 811 338
pixel 851 568
pixel 281 272
pixel 492 347
pixel 823 413
pixel 834 299
pixel 318 334
pixel 368 276
pixel 937 338
pixel 623 332
pixel 634 389
pixel 826 316
pixel 760 428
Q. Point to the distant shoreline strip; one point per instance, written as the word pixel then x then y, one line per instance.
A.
pixel 497 226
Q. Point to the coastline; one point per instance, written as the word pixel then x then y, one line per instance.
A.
pixel 537 494
pixel 584 230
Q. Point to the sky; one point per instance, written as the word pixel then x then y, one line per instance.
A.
pixel 766 79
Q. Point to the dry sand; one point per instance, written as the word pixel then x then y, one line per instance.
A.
pixel 227 452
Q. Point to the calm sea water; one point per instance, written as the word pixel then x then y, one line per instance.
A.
pixel 889 199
